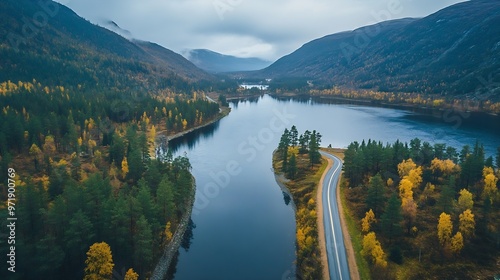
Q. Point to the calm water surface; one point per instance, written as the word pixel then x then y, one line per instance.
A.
pixel 243 227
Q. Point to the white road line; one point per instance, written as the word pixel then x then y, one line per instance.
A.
pixel 331 219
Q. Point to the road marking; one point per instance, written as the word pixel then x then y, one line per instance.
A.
pixel 331 218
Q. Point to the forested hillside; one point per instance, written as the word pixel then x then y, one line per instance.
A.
pixel 453 52
pixel 81 108
pixel 46 41
pixel 425 211
pixel 84 173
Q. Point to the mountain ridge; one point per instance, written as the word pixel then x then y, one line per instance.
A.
pixel 450 52
pixel 215 62
pixel 49 42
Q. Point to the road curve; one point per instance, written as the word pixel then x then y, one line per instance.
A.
pixel 335 248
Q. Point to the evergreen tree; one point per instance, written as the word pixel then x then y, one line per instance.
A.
pixel 376 191
pixel 294 136
pixel 391 219
pixel 165 200
pixel 497 159
pixel 143 245
pixel 447 196
pixel 292 167
pixel 314 142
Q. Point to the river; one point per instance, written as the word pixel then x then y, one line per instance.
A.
pixel 244 229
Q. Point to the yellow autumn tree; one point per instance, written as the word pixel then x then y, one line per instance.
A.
pixel 457 243
pixel 367 221
pixel 444 167
pixel 490 183
pixel 405 191
pixel 444 228
pixel 465 200
pixel 390 182
pixel 131 275
pixel 168 232
pixel 467 224
pixel 405 167
pixel 415 176
pixel 36 153
pixel 124 167
pixel 99 262
pixel 49 147
pixel 152 134
pixel 373 250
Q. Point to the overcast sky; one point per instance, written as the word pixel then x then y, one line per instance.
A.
pixel 267 29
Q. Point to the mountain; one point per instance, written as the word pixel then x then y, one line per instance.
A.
pixel 46 41
pixel 217 63
pixel 453 51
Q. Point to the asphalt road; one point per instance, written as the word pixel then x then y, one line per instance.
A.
pixel 335 249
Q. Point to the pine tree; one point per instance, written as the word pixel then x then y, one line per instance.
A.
pixel 376 194
pixel 391 219
pixel 294 134
pixel 314 142
pixel 165 199
pixel 292 167
pixel 143 245
pixel 446 198
pixel 497 158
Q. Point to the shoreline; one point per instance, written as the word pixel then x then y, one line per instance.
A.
pixel 164 262
pixel 223 113
pixel 385 104
pixel 282 181
pixel 161 268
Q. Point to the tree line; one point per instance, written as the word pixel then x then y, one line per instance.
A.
pixel 424 206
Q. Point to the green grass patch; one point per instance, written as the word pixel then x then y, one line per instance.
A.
pixel 356 236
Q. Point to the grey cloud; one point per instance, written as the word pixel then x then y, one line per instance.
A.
pixel 268 29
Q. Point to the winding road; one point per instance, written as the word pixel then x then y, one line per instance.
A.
pixel 335 249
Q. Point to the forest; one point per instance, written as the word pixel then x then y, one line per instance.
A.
pixel 424 211
pixel 88 180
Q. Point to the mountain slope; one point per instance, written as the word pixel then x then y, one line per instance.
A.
pixel 217 63
pixel 453 51
pixel 46 41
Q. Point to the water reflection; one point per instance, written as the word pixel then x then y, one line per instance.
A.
pixel 192 139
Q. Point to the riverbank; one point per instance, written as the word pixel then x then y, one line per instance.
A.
pixel 161 269
pixel 438 109
pixel 164 133
pixel 303 190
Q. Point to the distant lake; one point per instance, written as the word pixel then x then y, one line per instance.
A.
pixel 244 229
